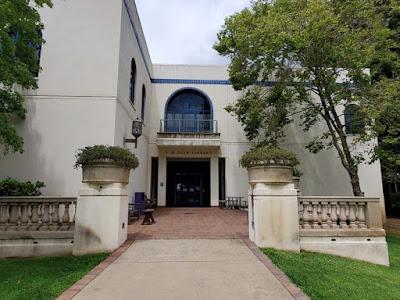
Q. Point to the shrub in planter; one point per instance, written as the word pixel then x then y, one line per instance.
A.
pixel 106 164
pixel 269 164
pixel 13 187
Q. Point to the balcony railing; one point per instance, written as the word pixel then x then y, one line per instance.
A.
pixel 188 126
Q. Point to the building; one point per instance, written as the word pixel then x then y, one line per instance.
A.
pixel 98 77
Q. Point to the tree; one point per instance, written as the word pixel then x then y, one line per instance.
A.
pixel 20 37
pixel 386 96
pixel 317 52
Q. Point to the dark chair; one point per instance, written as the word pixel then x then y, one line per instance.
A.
pixel 133 212
pixel 148 212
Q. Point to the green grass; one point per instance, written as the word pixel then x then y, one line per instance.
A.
pixel 43 278
pixel 328 277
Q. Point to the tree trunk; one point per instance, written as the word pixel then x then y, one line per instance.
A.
pixel 355 181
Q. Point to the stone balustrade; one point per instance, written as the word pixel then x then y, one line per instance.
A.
pixel 336 213
pixel 36 214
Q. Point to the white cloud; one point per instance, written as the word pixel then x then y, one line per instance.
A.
pixel 184 31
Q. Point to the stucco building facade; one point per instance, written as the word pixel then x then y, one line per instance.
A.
pixel 98 77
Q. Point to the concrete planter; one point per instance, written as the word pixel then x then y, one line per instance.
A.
pixel 104 171
pixel 273 174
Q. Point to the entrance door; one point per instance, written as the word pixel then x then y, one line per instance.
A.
pixel 188 184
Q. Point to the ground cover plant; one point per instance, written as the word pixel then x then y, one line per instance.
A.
pixel 43 278
pixel 324 276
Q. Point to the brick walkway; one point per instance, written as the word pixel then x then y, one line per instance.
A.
pixel 192 223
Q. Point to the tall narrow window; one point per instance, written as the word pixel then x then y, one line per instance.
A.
pixel 154 178
pixel 221 178
pixel 38 54
pixel 133 81
pixel 143 102
pixel 353 119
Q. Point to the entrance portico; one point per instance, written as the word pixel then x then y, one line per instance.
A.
pixel 188 177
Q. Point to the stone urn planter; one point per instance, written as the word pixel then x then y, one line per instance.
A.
pixel 270 173
pixel 104 171
pixel 105 164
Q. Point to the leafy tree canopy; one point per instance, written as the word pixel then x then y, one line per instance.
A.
pixel 20 37
pixel 316 52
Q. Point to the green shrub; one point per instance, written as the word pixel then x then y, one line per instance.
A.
pixel 13 187
pixel 268 156
pixel 122 157
pixel 297 172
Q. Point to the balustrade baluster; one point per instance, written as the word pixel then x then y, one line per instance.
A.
pixel 352 215
pixel 25 217
pixel 361 215
pixel 55 216
pixel 4 209
pixel 14 215
pixel 334 216
pixel 315 217
pixel 34 216
pixel 342 215
pixel 324 215
pixel 306 215
pixel 66 217
pixel 45 216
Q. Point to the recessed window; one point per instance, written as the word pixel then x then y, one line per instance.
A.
pixel 143 102
pixel 188 111
pixel 132 82
pixel 354 119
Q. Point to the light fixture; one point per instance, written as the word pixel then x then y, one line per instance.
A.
pixel 137 128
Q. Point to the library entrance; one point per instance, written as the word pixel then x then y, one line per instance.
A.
pixel 188 183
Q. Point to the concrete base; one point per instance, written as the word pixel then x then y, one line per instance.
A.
pixel 101 219
pixel 273 217
pixel 369 249
pixel 35 248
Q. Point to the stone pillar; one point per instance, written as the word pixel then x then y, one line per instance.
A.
pixel 273 208
pixel 214 181
pixel 101 223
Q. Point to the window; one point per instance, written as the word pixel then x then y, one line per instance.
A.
pixel 132 82
pixel 19 43
pixel 38 54
pixel 143 102
pixel 221 178
pixel 354 119
pixel 188 110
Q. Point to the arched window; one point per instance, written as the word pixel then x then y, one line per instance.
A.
pixel 132 81
pixel 143 102
pixel 188 110
pixel 353 119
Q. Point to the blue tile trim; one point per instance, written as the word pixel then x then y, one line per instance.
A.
pixel 203 81
pixel 137 37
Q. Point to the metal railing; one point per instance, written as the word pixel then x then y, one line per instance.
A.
pixel 188 126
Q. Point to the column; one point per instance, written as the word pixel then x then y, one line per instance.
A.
pixel 214 181
pixel 162 181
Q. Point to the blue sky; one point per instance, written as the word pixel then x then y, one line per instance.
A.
pixel 183 31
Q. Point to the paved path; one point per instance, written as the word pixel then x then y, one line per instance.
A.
pixel 186 269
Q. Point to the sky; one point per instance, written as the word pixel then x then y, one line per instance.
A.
pixel 184 31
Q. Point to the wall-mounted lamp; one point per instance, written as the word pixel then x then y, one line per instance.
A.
pixel 137 127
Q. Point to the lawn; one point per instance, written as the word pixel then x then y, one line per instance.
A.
pixel 43 278
pixel 328 277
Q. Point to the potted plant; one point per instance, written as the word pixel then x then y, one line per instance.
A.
pixel 269 165
pixel 105 164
